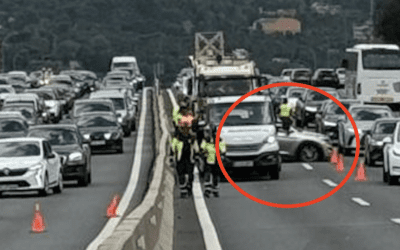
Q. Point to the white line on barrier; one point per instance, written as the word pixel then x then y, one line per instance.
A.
pixel 209 233
pixel 329 183
pixel 307 166
pixel 112 223
pixel 361 202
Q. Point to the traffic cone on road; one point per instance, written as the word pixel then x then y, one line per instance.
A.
pixel 360 176
pixel 334 156
pixel 112 208
pixel 38 225
pixel 340 164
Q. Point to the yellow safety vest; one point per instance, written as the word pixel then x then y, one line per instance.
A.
pixel 210 150
pixel 177 147
pixel 285 110
pixel 176 116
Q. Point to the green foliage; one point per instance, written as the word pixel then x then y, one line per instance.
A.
pixel 93 31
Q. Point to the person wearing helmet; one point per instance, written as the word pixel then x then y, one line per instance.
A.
pixel 211 169
pixel 285 113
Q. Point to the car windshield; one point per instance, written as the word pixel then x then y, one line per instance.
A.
pixel 63 82
pixel 302 73
pixel 341 71
pixel 97 121
pixel 296 93
pixel 11 126
pixel 385 128
pixel 226 87
pixel 371 114
pixel 16 79
pixel 119 103
pixel 5 90
pixel 44 95
pixel 327 74
pixel 248 113
pixel 123 65
pixel 27 112
pixel 91 107
pixel 56 136
pixel 19 149
pixel 334 109
pixel 381 59
pixel 316 96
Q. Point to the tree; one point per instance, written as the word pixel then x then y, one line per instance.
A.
pixel 388 21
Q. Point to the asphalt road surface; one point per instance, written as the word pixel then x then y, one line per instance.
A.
pixel 361 215
pixel 76 216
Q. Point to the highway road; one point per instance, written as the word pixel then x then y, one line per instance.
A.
pixel 76 216
pixel 361 215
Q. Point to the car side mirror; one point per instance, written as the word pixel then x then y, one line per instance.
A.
pixel 387 140
pixel 51 156
pixel 63 160
pixel 345 63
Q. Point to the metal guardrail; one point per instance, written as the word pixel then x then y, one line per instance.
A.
pixel 150 225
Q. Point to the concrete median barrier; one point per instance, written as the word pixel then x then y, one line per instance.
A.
pixel 151 224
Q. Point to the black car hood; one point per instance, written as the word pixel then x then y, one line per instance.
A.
pixel 66 149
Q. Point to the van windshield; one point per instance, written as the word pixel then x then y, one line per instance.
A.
pixel 248 113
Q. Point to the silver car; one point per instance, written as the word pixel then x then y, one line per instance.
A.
pixel 303 145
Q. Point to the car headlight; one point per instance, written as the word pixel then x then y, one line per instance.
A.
pixel 376 143
pixel 75 156
pixel 76 90
pixel 311 109
pixel 330 124
pixel 37 168
pixel 86 136
pixel 269 139
pixel 120 119
pixel 396 153
pixel 107 136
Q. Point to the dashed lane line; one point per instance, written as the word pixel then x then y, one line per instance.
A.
pixel 395 220
pixel 329 183
pixel 307 166
pixel 361 202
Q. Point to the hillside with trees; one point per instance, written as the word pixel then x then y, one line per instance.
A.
pixel 93 31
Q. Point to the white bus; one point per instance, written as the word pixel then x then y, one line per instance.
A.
pixel 373 73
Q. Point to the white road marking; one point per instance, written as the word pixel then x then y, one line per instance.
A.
pixel 396 220
pixel 307 166
pixel 209 233
pixel 112 223
pixel 360 202
pixel 329 183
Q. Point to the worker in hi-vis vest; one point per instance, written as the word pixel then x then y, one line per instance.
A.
pixel 285 113
pixel 184 150
pixel 211 169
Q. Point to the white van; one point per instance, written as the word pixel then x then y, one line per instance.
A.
pixel 249 133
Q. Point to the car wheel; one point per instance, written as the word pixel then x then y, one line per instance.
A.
pixel 60 186
pixel 274 173
pixel 84 180
pixel 120 149
pixel 390 179
pixel 308 152
pixel 45 190
pixel 385 175
pixel 133 127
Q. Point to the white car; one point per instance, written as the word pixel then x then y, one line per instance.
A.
pixel 29 164
pixel 391 157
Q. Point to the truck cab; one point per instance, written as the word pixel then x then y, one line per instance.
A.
pixel 249 133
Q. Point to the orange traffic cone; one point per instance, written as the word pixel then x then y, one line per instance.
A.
pixel 38 225
pixel 334 156
pixel 112 208
pixel 340 165
pixel 360 176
